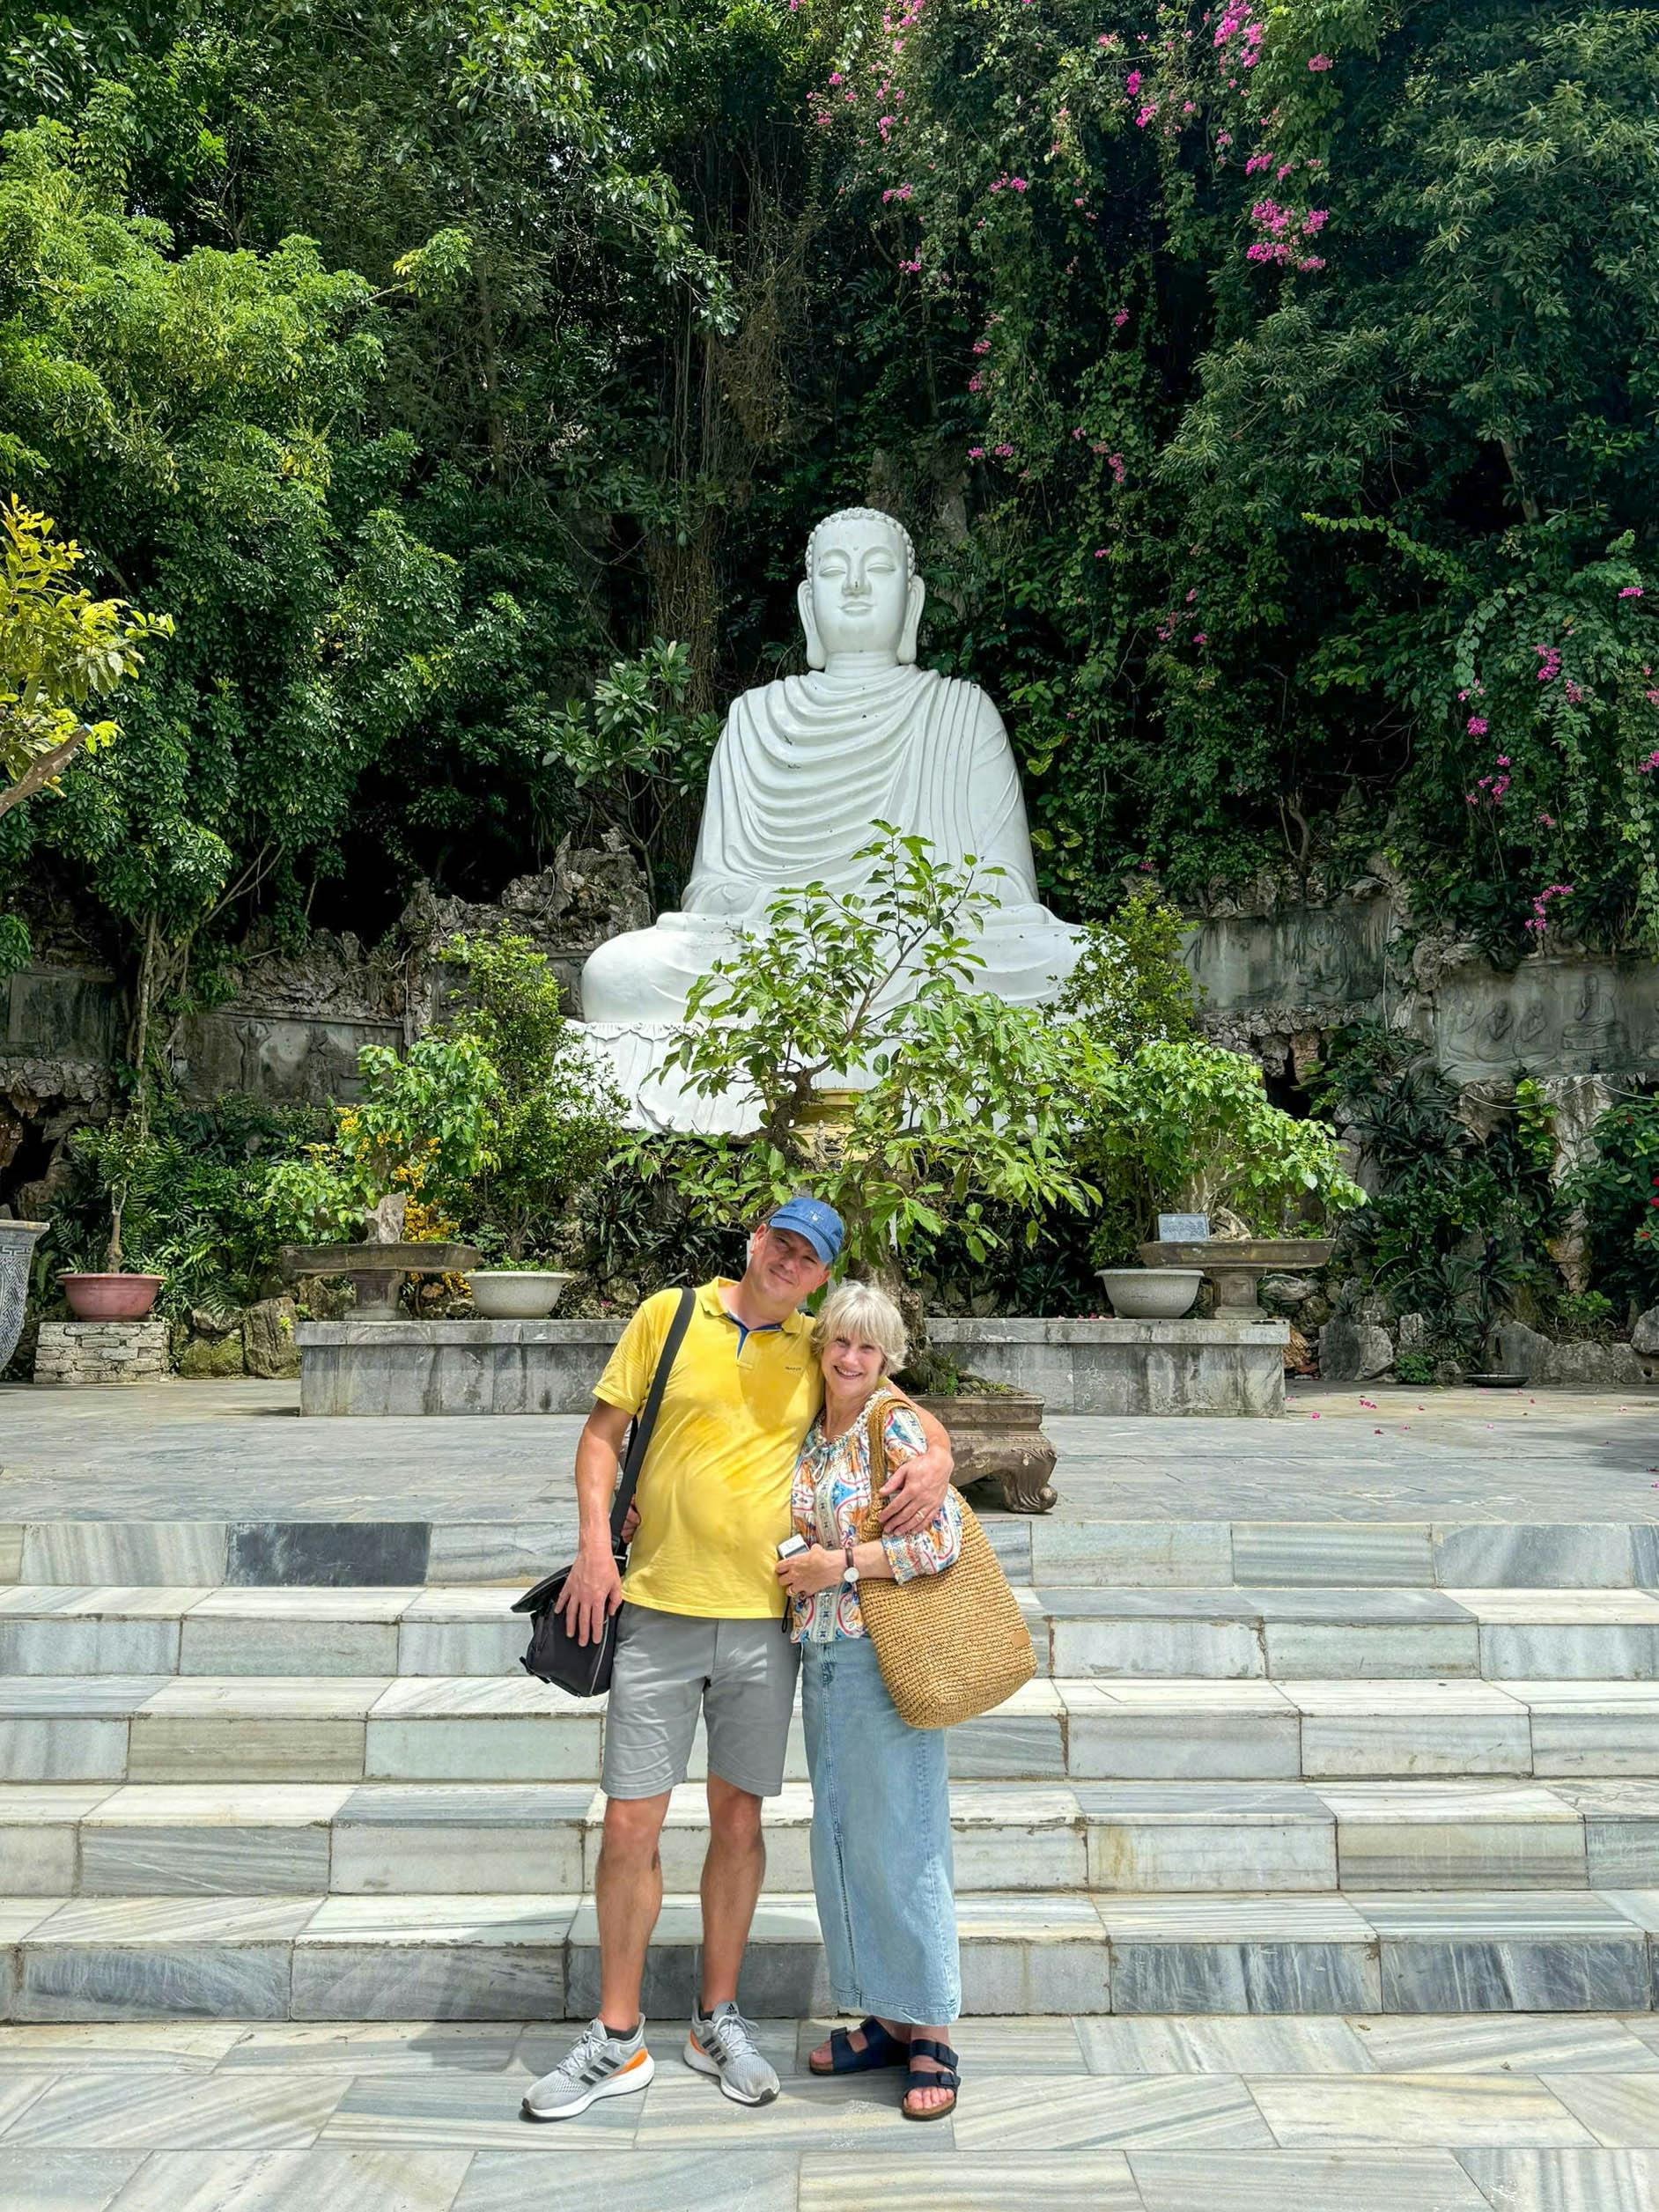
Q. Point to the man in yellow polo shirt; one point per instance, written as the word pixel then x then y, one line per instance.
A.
pixel 700 1632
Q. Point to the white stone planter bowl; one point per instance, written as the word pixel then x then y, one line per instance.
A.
pixel 515 1293
pixel 1151 1294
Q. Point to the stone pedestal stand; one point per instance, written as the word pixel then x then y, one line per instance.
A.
pixel 79 1352
pixel 17 1250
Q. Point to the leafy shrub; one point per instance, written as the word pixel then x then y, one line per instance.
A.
pixel 1415 1368
pixel 1617 1188
pixel 1455 1227
pixel 421 1129
pixel 556 1119
pixel 1584 1313
pixel 197 1209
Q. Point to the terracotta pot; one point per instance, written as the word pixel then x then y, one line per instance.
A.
pixel 110 1297
pixel 999 1440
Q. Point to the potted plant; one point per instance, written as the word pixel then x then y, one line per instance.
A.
pixel 555 1121
pixel 116 1154
pixel 904 1112
pixel 402 1152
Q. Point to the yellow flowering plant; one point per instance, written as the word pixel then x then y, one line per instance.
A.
pixel 422 1128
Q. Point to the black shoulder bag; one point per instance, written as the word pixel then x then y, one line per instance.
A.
pixel 554 1655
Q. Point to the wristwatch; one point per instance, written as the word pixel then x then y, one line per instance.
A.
pixel 849 1573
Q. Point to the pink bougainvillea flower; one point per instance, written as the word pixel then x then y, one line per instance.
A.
pixel 1320 62
pixel 976 453
pixel 1200 637
pixel 1477 726
pixel 1120 318
pixel 1631 590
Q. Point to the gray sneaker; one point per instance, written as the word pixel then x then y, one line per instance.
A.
pixel 722 2043
pixel 599 2065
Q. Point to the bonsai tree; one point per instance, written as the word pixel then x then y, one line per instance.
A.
pixel 116 1154
pixel 943 1101
pixel 402 1155
pixel 1181 1124
pixel 556 1119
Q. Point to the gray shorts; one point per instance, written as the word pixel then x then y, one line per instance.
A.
pixel 740 1674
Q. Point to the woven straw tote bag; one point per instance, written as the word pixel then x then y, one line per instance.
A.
pixel 950 1646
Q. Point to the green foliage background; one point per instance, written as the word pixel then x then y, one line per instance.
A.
pixel 1271 391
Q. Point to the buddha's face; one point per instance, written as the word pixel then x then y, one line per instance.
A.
pixel 860 592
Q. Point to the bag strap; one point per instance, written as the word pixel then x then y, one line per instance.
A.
pixel 875 1436
pixel 646 1420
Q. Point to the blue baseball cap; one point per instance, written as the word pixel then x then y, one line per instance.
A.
pixel 818 1223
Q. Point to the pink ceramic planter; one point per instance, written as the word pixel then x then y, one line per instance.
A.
pixel 110 1297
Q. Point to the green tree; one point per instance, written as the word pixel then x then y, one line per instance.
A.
pixel 60 650
pixel 556 1120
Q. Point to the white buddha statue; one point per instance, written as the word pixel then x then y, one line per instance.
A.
pixel 804 767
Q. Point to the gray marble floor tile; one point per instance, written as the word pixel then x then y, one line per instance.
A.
pixel 1521 2043
pixel 448 1982
pixel 1224 1650
pixel 1146 1554
pixel 1332 1651
pixel 553 1747
pixel 168 1747
pixel 388 2046
pixel 715 2180
pixel 1565 2180
pixel 1309 2180
pixel 1223 2046
pixel 857 2113
pixel 1588 1651
pixel 117 1552
pixel 989 2181
pixel 461 1647
pixel 67 1698
pixel 1322 1552
pixel 51 1748
pixel 462 1837
pixel 1123 1742
pixel 1142 1837
pixel 1620 2109
pixel 101 2111
pixel 288 1698
pixel 172 2045
pixel 433 2109
pixel 371 1602
pixel 1244 1977
pixel 1454 1835
pixel 1510 1554
pixel 211 1644
pixel 64 2180
pixel 88 1647
pixel 1100 2112
pixel 353 2180
pixel 1410 2110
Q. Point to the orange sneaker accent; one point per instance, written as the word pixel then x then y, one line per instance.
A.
pixel 638 2059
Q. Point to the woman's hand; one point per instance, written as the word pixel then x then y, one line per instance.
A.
pixel 811 1571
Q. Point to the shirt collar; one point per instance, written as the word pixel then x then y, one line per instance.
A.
pixel 794 1324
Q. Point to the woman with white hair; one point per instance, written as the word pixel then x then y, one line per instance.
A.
pixel 880 1821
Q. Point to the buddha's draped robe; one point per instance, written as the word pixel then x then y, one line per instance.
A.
pixel 803 769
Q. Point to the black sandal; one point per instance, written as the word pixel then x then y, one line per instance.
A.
pixel 880 2049
pixel 946 2077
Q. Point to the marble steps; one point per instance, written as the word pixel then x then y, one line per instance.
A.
pixel 396 1838
pixel 1220 1631
pixel 1073 1545
pixel 185 1728
pixel 442 1957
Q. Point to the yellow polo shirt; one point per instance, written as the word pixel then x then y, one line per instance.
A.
pixel 713 1493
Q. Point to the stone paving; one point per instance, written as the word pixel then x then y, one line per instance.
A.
pixel 180 1449
pixel 1347 2114
pixel 1351 1716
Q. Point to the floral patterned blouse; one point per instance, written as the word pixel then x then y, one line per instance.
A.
pixel 832 1494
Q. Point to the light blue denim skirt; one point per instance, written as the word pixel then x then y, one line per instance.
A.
pixel 881 1842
